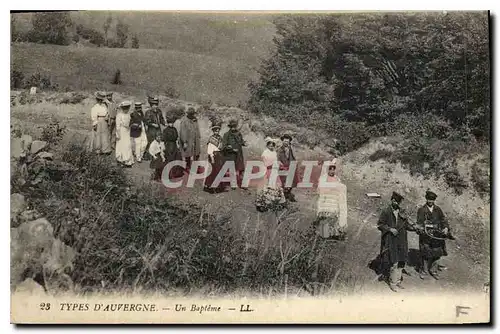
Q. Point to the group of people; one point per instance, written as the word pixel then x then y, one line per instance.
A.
pixel 138 135
pixel 432 228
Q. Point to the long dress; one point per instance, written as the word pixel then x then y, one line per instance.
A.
pixel 138 134
pixel 123 152
pixel 172 152
pixel 270 159
pixel 331 209
pixel 100 141
pixel 216 159
pixel 154 121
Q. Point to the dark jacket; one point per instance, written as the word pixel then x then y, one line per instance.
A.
pixel 393 248
pixel 283 157
pixel 430 247
pixel 233 140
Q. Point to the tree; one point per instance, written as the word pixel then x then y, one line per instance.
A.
pixel 135 42
pixel 121 34
pixel 13 30
pixel 51 28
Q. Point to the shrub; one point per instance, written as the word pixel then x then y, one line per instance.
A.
pixel 481 177
pixel 380 154
pixel 455 181
pixel 53 133
pixel 171 92
pixel 92 35
pixel 40 81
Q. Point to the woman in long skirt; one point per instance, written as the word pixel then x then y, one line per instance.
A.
pixel 124 153
pixel 100 141
pixel 331 211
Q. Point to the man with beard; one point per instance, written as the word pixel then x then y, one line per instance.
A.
pixel 394 242
pixel 431 216
pixel 189 137
pixel 154 121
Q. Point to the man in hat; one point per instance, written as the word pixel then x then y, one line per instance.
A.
pixel 215 157
pixel 138 132
pixel 394 241
pixel 99 115
pixel 189 137
pixel 112 118
pixel 154 120
pixel 232 145
pixel 285 157
pixel 431 216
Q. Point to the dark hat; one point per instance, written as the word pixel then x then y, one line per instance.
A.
pixel 430 195
pixel 286 136
pixel 171 119
pixel 191 110
pixel 397 197
pixel 109 95
pixel 233 123
pixel 138 104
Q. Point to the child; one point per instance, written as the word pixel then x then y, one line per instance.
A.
pixel 156 150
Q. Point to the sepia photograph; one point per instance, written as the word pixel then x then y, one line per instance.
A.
pixel 177 167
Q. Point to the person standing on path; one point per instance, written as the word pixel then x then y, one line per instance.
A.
pixel 172 152
pixel 138 132
pixel 331 207
pixel 431 249
pixel 189 137
pixel 156 150
pixel 100 142
pixel 215 158
pixel 394 241
pixel 154 120
pixel 124 154
pixel 232 145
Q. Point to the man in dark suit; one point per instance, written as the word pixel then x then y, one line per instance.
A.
pixel 431 249
pixel 394 241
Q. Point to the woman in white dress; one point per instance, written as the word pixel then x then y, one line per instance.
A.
pixel 124 153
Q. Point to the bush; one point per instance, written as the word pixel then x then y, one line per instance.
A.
pixel 53 133
pixel 92 35
pixel 16 79
pixel 40 81
pixel 455 181
pixel 172 92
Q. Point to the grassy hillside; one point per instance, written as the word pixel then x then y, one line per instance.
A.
pixel 242 37
pixel 196 77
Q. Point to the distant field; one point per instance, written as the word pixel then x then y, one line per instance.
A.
pixel 203 56
pixel 196 77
